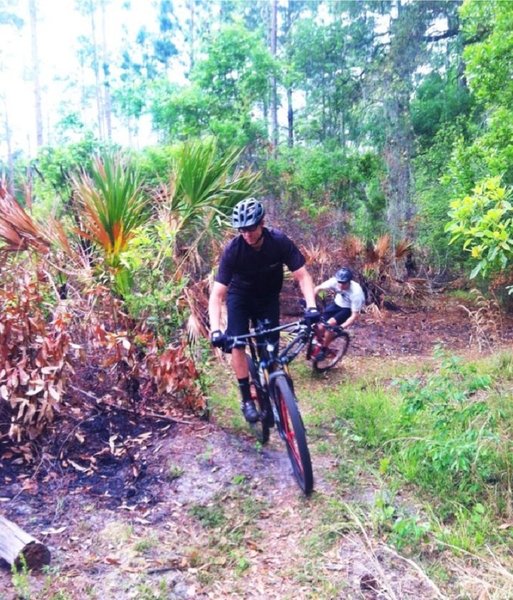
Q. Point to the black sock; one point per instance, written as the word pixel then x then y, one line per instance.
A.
pixel 244 389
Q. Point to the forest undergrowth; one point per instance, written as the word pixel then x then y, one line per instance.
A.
pixel 412 464
pixel 420 455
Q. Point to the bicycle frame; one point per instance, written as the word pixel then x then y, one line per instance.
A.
pixel 275 393
pixel 265 354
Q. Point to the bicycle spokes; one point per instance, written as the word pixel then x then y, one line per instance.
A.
pixel 333 354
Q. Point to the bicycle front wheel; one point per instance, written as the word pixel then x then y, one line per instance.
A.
pixel 334 353
pixel 293 433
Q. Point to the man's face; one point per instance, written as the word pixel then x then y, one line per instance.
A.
pixel 344 286
pixel 252 235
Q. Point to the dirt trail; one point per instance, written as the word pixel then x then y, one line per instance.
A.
pixel 192 510
pixel 96 546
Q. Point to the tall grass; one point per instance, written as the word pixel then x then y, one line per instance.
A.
pixel 443 433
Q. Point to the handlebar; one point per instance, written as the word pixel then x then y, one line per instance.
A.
pixel 258 332
pixel 300 329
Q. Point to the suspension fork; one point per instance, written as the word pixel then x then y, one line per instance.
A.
pixel 284 370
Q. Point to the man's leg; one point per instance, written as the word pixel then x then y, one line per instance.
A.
pixel 240 367
pixel 328 334
pixel 238 324
pixel 334 315
pixel 240 363
pixel 330 318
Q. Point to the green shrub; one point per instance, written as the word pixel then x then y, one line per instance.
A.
pixel 450 442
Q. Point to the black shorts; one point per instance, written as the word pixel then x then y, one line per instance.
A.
pixel 243 310
pixel 333 311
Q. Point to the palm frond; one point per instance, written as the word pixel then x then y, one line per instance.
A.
pixel 204 187
pixel 316 254
pixel 402 248
pixel 352 247
pixel 18 229
pixel 382 247
pixel 113 204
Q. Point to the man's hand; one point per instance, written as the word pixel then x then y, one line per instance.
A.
pixel 312 315
pixel 218 339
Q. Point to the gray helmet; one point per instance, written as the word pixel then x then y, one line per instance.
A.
pixel 344 275
pixel 247 212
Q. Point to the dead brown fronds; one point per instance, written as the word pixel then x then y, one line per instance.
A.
pixel 35 356
pixel 374 313
pixel 143 370
pixel 380 272
pixel 40 356
pixel 174 374
pixel 415 289
pixel 486 321
pixel 353 248
pixel 381 249
pixel 18 229
pixel 316 254
pixel 318 259
pixel 195 298
pixel 402 248
pixel 382 256
pixel 69 256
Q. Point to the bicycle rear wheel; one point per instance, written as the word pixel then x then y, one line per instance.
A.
pixel 293 432
pixel 334 353
pixel 260 428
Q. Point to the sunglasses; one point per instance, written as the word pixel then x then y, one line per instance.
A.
pixel 248 229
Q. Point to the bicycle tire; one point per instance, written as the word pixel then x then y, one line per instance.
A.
pixel 334 353
pixel 314 343
pixel 292 431
pixel 261 428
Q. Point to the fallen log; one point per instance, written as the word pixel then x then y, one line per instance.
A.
pixel 18 547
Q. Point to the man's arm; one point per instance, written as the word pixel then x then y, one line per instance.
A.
pixel 215 305
pixel 351 320
pixel 303 277
pixel 357 302
pixel 329 284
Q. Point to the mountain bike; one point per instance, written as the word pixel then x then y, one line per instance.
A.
pixel 336 349
pixel 333 354
pixel 272 389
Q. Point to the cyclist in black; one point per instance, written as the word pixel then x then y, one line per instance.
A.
pixel 249 280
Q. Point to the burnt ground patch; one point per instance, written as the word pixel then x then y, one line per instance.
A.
pixel 102 454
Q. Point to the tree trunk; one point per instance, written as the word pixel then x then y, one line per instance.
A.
pixel 35 73
pixel 107 101
pixel 96 71
pixel 290 118
pixel 10 159
pixel 192 24
pixel 397 153
pixel 274 91
pixel 16 544
pixel 290 107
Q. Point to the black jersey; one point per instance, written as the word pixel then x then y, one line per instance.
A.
pixel 259 273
